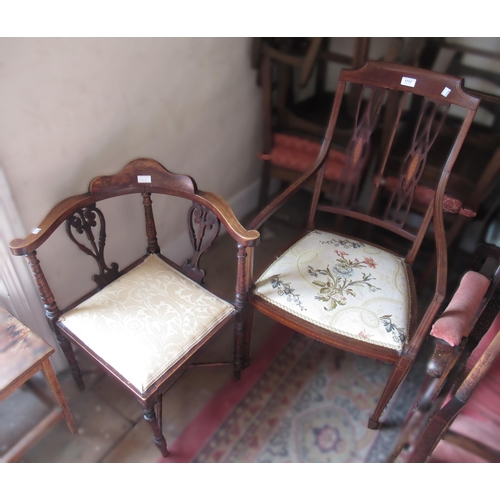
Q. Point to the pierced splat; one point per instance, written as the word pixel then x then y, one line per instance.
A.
pixel 203 227
pixel 358 149
pixel 83 222
pixel 430 121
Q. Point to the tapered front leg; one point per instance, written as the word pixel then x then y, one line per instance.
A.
pixel 396 378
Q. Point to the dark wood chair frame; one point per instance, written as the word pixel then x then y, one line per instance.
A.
pixel 79 213
pixel 386 76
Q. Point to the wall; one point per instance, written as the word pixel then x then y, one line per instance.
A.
pixel 75 108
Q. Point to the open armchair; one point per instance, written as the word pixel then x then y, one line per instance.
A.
pixel 144 322
pixel 353 288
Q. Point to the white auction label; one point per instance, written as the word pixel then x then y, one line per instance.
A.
pixel 408 82
pixel 143 179
pixel 446 91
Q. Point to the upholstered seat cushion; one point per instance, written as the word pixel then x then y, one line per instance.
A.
pixel 299 154
pixel 146 320
pixel 343 285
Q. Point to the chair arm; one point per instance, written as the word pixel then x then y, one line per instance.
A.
pixel 463 309
pixel 283 198
pixel 58 214
pixel 457 320
pixel 247 238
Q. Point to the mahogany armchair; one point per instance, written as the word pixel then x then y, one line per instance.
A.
pixel 339 284
pixel 144 322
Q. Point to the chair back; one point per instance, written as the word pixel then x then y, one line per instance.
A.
pixel 83 217
pixel 394 161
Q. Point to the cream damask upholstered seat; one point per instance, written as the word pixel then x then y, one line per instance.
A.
pixel 154 313
pixel 343 285
pixel 142 324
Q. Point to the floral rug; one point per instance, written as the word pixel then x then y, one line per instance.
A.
pixel 310 403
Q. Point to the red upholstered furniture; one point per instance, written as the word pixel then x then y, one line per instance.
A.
pixel 461 314
pixel 456 417
pixel 298 154
pixel 467 427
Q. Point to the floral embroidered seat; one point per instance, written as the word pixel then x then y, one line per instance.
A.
pixel 346 286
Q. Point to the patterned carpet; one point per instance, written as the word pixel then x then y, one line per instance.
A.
pixel 310 403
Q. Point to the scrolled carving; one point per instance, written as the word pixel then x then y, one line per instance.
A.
pixel 84 221
pixel 204 227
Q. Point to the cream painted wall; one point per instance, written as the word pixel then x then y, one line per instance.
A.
pixel 75 108
pixel 80 107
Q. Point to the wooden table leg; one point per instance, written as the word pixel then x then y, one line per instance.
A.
pixel 58 393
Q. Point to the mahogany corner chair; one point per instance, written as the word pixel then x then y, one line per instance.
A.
pixel 143 323
pixel 347 288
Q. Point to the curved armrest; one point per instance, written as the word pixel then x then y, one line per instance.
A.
pixel 279 201
pixel 247 238
pixel 58 214
pixel 157 179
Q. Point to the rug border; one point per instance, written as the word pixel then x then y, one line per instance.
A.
pixel 197 433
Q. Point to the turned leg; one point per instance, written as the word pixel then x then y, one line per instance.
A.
pixel 242 306
pixel 397 376
pixel 158 437
pixel 52 312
